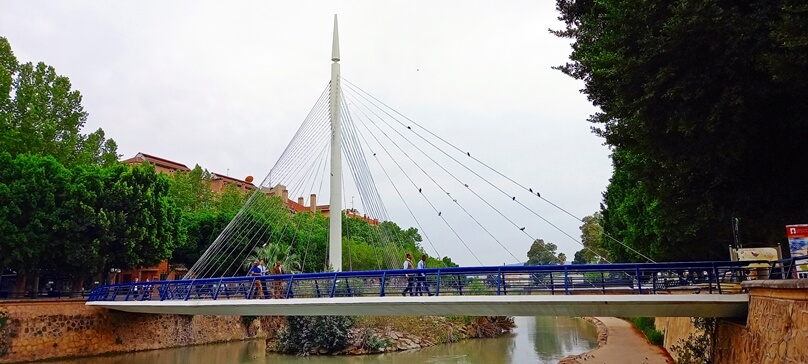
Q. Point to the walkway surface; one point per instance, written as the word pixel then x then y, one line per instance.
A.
pixel 624 345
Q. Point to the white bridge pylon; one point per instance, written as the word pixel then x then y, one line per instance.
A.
pixel 335 219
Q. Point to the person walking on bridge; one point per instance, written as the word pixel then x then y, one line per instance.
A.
pixel 257 291
pixel 408 265
pixel 277 285
pixel 422 278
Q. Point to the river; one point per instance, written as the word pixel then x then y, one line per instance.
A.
pixel 535 340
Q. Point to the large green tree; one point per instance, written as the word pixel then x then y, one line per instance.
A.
pixel 542 253
pixel 82 221
pixel 592 240
pixel 703 104
pixel 41 114
pixel 33 190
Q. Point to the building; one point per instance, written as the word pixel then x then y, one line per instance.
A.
pixel 218 183
pixel 300 205
pixel 161 165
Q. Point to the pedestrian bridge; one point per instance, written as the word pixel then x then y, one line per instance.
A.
pixel 694 289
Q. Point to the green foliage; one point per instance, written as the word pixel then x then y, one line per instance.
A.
pixel 646 325
pixel 302 333
pixel 592 238
pixel 465 320
pixel 697 348
pixel 41 114
pixel 374 343
pixel 478 287
pixel 703 105
pixel 332 332
pixel 191 190
pixel 542 253
pixel 83 220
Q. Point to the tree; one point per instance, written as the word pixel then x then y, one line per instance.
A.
pixel 41 114
pixel 200 230
pixel 142 222
pixel 32 193
pixel 191 190
pixel 580 257
pixel 704 116
pixel 542 253
pixel 592 238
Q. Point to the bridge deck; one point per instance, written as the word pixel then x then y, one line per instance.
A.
pixel 665 305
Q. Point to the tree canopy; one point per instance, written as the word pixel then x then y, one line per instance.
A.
pixel 703 105
pixel 83 221
pixel 542 253
pixel 41 114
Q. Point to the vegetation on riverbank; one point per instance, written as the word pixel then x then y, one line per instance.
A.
pixel 646 326
pixel 312 335
pixel 697 348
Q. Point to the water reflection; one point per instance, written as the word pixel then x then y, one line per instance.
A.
pixel 535 340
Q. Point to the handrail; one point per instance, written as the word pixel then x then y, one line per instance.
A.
pixel 640 278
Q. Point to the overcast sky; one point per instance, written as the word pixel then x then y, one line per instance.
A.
pixel 226 84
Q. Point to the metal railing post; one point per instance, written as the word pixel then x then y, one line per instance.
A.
pixel 552 285
pixel 333 286
pixel 499 281
pixel 289 288
pixel 717 282
pixel 163 289
pixel 602 283
pixel 437 284
pixel 639 279
pixel 381 284
pixel 250 288
pixel 190 289
pixel 128 293
pixel 216 291
pixel 566 281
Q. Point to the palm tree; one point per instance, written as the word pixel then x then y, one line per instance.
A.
pixel 271 253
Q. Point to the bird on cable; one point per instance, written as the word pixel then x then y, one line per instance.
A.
pixel 538 194
pixel 466 184
pixel 522 228
pixel 530 189
pixel 513 198
pixel 468 154
pixel 439 213
pixel 374 154
pixel 419 190
pixel 408 127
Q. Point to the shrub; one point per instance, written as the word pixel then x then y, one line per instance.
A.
pixel 697 348
pixel 303 333
pixel 646 325
pixel 332 332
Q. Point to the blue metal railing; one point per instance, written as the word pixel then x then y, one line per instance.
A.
pixel 640 278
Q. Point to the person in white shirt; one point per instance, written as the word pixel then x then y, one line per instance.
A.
pixel 408 265
pixel 422 279
pixel 264 272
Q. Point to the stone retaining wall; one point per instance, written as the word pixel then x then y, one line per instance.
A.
pixel 38 330
pixel 775 331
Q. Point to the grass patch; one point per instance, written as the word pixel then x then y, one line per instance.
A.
pixel 646 325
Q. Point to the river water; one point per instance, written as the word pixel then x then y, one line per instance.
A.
pixel 535 340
